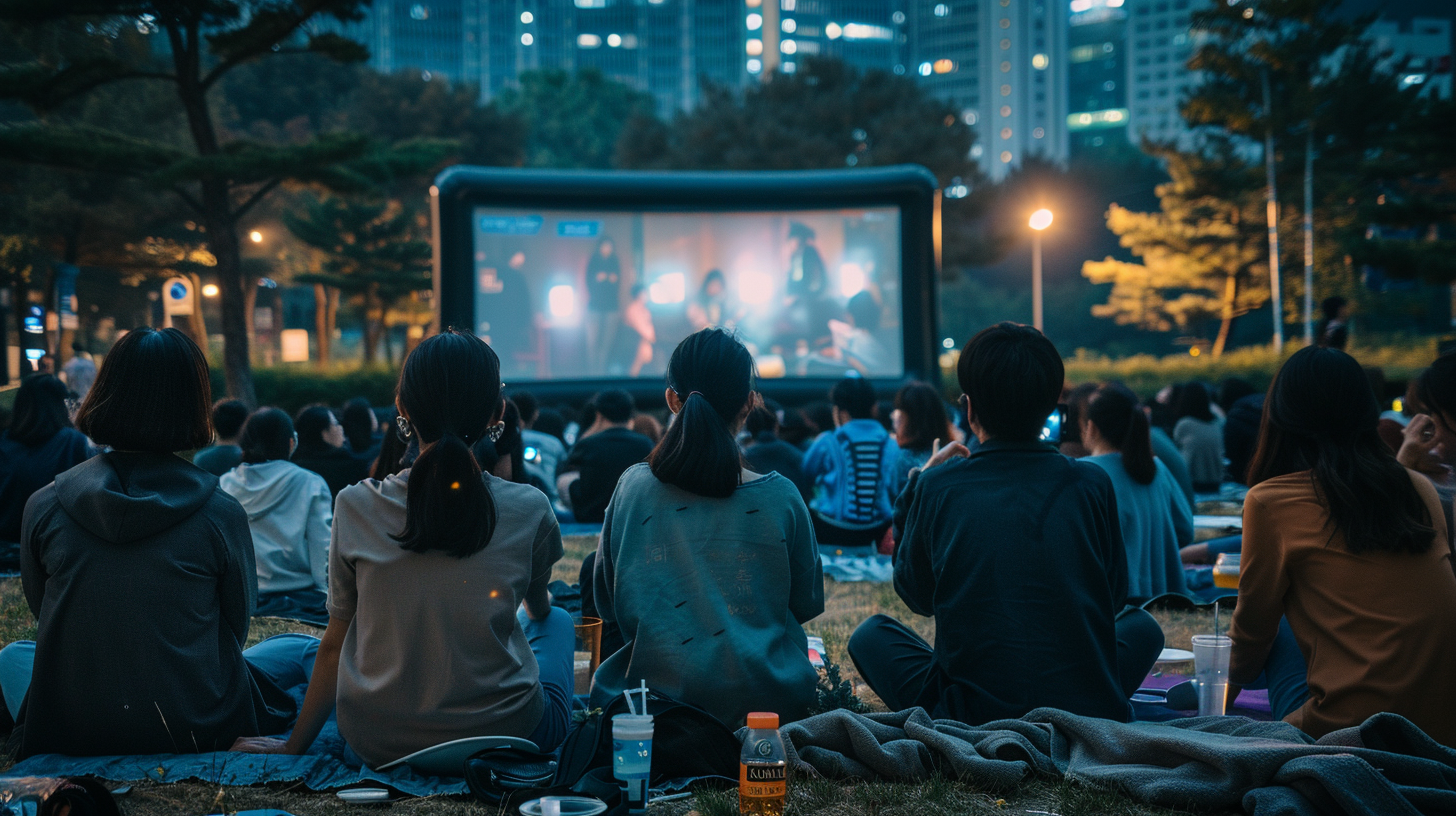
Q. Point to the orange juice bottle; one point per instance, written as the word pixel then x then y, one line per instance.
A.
pixel 762 767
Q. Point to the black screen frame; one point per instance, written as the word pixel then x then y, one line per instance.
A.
pixel 911 189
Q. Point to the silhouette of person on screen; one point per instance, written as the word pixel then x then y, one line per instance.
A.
pixel 505 313
pixel 603 303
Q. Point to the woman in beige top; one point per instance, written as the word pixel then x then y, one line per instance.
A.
pixel 440 625
pixel 1351 549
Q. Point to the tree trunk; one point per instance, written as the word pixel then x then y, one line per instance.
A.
pixel 333 313
pixel 222 242
pixel 216 208
pixel 1226 322
pixel 197 326
pixel 370 331
pixel 321 323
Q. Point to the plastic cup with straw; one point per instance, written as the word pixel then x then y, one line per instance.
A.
pixel 632 749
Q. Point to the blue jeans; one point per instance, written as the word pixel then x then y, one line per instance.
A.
pixel 287 659
pixel 1285 675
pixel 553 642
pixel 1225 544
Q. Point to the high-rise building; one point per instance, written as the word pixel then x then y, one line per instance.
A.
pixel 663 47
pixel 1160 42
pixel 1004 63
pixel 1420 52
pixel 1097 67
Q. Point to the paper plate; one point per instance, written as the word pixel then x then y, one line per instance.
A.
pixel 570 806
pixel 448 758
pixel 1175 656
pixel 359 796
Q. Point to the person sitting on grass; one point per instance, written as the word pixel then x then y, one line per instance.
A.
pixel 1346 589
pixel 1154 515
pixel 709 569
pixel 289 513
pixel 1199 434
pixel 39 444
pixel 440 624
pixel 919 419
pixel 854 469
pixel 1017 552
pixel 323 449
pixel 139 570
pixel 228 416
pixel 607 447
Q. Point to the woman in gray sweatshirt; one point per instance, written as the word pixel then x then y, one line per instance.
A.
pixel 709 569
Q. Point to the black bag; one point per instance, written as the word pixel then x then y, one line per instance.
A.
pixel 495 773
pixel 687 742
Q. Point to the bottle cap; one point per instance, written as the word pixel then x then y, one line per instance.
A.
pixel 763 719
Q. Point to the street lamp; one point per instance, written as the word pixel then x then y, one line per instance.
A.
pixel 1040 220
pixel 209 290
pixel 256 237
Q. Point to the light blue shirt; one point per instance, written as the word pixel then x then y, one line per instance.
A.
pixel 1156 523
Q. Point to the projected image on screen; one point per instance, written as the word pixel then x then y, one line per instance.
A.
pixel 585 295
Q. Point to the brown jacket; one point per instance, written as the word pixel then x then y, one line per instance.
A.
pixel 1378 629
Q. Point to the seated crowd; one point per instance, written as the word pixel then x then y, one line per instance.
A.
pixel 423 540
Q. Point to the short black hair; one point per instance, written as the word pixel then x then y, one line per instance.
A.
pixel 550 421
pixel 40 410
pixel 1331 306
pixel 312 421
pixel 267 436
pixel 526 403
pixel 228 416
pixel 855 396
pixel 152 393
pixel 1012 375
pixel 358 420
pixel 615 406
pixel 761 419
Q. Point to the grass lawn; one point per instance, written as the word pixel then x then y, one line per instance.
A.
pixel 845 606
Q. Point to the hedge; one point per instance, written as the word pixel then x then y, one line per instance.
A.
pixel 291 387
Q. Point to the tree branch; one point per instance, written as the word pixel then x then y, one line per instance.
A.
pixel 188 199
pixel 258 194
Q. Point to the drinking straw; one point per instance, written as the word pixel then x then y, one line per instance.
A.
pixel 630 705
pixel 1216 605
pixel 643 689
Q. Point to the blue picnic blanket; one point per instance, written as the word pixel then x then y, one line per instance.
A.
pixel 323 768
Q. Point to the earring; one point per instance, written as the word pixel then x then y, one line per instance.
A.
pixel 495 431
pixel 403 426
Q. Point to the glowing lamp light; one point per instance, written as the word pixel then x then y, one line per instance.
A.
pixel 209 290
pixel 614 40
pixel 256 237
pixel 948 343
pixel 754 22
pixel 755 47
pixel 833 30
pixel 561 301
pixel 851 279
pixel 944 66
pixel 1079 6
pixel 1194 351
pixel 670 288
pixel 755 288
pixel 1041 219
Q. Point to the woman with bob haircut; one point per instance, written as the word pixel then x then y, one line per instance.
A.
pixel 1350 549
pixel 709 569
pixel 440 624
pixel 139 570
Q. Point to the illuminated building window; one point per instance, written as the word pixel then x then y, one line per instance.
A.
pixel 1039 62
pixel 755 47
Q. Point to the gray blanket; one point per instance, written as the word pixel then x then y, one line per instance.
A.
pixel 1386 766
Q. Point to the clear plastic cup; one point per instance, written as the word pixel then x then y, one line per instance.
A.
pixel 632 756
pixel 1210 673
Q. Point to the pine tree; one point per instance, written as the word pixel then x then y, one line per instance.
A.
pixel 1203 254
pixel 75 47
pixel 371 248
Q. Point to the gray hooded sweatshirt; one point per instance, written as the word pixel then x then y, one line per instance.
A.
pixel 140 572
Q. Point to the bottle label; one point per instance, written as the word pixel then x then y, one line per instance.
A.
pixel 762 781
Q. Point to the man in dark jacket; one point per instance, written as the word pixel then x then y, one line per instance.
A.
pixel 589 475
pixel 1017 552
pixel 766 453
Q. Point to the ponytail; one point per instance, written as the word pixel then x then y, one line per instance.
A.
pixel 450 389
pixel 713 375
pixel 1115 412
